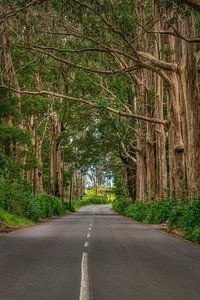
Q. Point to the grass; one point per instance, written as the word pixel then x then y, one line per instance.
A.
pixel 13 220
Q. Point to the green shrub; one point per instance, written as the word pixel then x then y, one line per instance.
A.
pixel 181 215
pixel 13 220
pixel 120 205
pixel 158 212
pixel 21 203
pixel 89 200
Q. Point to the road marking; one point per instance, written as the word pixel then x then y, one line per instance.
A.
pixel 88 235
pixel 84 289
pixel 90 228
pixel 86 244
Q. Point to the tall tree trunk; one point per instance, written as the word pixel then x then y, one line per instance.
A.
pixel 38 180
pixel 160 137
pixel 55 181
pixel 131 180
pixel 141 180
pixel 184 110
pixel 178 182
pixel 190 101
pixel 160 145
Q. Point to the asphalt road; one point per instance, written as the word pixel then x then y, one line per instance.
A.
pixel 95 254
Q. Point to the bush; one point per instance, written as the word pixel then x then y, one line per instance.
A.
pixel 13 220
pixel 181 215
pixel 89 200
pixel 119 205
pixel 33 207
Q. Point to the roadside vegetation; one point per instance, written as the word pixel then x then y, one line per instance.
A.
pixel 19 207
pixel 106 94
pixel 90 200
pixel 7 218
pixel 179 216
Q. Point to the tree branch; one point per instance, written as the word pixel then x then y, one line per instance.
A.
pixel 13 13
pixel 165 32
pixel 159 63
pixel 192 3
pixel 87 102
pixel 67 62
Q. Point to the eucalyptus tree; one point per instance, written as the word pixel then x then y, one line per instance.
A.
pixel 134 59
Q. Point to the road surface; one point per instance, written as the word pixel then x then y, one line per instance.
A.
pixel 95 254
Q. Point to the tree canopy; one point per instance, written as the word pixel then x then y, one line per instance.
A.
pixel 109 86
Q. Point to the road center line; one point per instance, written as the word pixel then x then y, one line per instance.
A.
pixel 88 235
pixel 86 244
pixel 84 289
pixel 90 228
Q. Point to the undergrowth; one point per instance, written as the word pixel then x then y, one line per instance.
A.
pixel 13 220
pixel 19 202
pixel 177 214
pixel 90 200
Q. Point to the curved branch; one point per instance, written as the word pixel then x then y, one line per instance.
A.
pixel 107 23
pixel 13 13
pixel 167 32
pixel 87 102
pixel 157 62
pixel 193 4
pixel 67 62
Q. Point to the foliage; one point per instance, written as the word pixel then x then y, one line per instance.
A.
pixel 22 203
pixel 90 200
pixel 13 220
pixel 13 134
pixel 78 36
pixel 179 215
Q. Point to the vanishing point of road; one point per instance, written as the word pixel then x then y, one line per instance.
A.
pixel 95 254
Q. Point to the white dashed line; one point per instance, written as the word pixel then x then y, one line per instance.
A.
pixel 88 235
pixel 90 228
pixel 86 244
pixel 84 289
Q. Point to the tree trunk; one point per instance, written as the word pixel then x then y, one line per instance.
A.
pixel 131 180
pixel 160 145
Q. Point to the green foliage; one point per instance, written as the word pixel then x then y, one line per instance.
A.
pixel 13 134
pixel 90 200
pixel 13 220
pixel 118 182
pixel 152 92
pixel 166 50
pixel 3 163
pixel 186 216
pixel 120 205
pixel 31 162
pixel 179 215
pixel 8 104
pixel 12 167
pixel 34 105
pixel 21 203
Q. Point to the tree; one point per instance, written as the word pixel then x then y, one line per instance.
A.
pixel 122 74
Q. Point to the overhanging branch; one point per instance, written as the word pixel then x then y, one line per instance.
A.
pixel 87 102
pixel 15 12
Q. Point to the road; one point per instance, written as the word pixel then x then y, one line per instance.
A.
pixel 95 254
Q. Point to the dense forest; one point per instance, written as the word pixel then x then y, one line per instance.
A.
pixel 105 89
